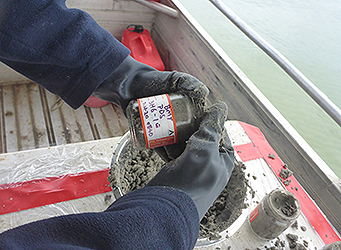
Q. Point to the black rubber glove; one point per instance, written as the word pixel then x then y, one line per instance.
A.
pixel 204 168
pixel 133 80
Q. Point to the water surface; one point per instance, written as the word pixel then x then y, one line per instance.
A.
pixel 308 33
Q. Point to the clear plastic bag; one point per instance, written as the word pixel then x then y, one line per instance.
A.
pixel 67 173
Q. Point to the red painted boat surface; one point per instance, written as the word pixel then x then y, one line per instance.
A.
pixel 94 102
pixel 50 190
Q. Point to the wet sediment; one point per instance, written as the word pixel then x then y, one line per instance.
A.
pixel 135 168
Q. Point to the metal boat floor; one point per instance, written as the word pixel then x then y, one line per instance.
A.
pixel 31 117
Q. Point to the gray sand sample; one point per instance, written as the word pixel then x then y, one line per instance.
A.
pixel 135 168
pixel 285 173
pixel 293 242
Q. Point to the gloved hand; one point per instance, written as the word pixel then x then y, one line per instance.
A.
pixel 204 168
pixel 133 80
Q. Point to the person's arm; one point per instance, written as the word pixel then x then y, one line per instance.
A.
pixel 68 53
pixel 151 218
pixel 62 49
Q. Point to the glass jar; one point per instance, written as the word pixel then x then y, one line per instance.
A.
pixel 162 120
pixel 274 214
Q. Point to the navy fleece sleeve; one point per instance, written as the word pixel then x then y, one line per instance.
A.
pixel 62 49
pixel 149 218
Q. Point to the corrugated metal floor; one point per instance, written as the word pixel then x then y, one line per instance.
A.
pixel 31 117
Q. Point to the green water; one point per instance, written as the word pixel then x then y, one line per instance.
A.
pixel 308 33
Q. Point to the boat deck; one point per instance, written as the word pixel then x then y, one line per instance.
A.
pixel 31 117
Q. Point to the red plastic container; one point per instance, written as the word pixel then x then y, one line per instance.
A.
pixel 142 47
pixel 94 102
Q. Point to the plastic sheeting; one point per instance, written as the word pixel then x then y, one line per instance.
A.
pixel 75 174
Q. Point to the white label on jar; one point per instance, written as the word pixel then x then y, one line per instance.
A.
pixel 158 121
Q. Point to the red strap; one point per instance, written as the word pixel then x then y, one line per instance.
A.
pixel 40 192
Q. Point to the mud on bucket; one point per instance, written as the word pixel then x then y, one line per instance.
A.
pixel 131 169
